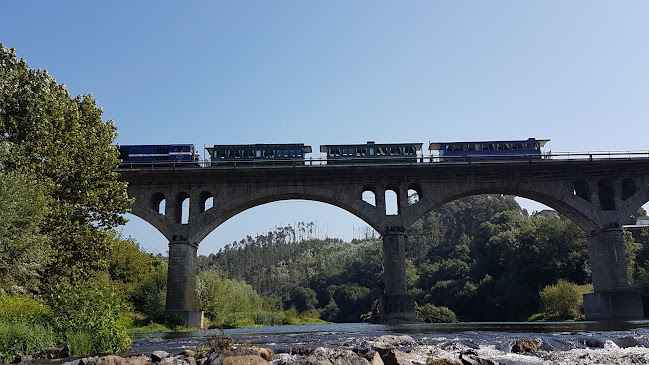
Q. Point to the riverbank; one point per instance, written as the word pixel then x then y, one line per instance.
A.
pixel 416 343
pixel 556 343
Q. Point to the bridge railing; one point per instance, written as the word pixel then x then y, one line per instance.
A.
pixel 367 161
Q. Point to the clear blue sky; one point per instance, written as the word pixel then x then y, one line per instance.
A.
pixel 219 72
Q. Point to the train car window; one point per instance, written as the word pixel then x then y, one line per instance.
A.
pixel 449 148
pixel 488 147
pixel 371 151
pixel 471 147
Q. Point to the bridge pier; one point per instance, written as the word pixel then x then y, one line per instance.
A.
pixel 613 298
pixel 395 305
pixel 181 283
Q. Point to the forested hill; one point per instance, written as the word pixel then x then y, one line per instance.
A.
pixel 482 256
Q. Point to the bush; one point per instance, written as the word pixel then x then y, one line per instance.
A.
pixel 17 339
pixel 23 309
pixel 562 301
pixel 432 314
pixel 91 307
pixel 220 297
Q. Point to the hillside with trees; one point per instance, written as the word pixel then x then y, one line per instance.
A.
pixel 482 256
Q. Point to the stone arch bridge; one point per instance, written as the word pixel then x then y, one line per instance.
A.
pixel 598 195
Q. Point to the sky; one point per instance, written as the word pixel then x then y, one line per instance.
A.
pixel 340 71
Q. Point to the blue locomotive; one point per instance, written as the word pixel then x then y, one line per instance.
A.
pixel 489 150
pixel 291 153
pixel 165 154
pixel 371 152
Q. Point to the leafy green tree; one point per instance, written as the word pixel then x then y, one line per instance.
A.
pixel 219 296
pixel 67 148
pixel 562 301
pixel 23 249
pixel 303 299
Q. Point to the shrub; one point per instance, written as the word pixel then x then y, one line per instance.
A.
pixel 17 339
pixel 23 309
pixel 562 301
pixel 219 297
pixel 94 307
pixel 433 314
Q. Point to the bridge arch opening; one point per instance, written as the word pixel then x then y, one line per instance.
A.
pixel 582 190
pixel 182 208
pixel 158 203
pixel 205 202
pixel 606 194
pixel 414 193
pixel 392 200
pixel 369 195
pixel 628 188
pixel 329 221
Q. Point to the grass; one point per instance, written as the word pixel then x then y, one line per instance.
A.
pixel 17 339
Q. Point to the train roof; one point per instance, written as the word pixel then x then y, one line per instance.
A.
pixel 307 149
pixel 323 148
pixel 437 145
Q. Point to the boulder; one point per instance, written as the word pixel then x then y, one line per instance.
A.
pixel 393 356
pixel 472 358
pixel 374 358
pixel 442 361
pixel 55 352
pixel 326 356
pixel 178 360
pixel 627 341
pixel 188 353
pixel 264 353
pixel 524 345
pixel 157 356
pixel 393 340
pixel 244 360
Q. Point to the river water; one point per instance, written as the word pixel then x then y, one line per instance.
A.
pixel 559 342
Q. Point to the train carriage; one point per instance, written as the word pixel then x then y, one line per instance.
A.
pixel 488 150
pixel 290 153
pixel 159 155
pixel 372 152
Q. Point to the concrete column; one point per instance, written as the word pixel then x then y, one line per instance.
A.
pixel 394 263
pixel 395 304
pixel 181 283
pixel 608 261
pixel 612 297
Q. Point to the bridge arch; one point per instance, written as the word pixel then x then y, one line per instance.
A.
pixel 569 209
pixel 213 218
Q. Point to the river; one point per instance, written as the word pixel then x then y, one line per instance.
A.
pixel 559 342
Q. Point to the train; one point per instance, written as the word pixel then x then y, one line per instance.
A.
pixel 296 153
pixel 158 154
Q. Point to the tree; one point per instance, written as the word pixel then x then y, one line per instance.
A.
pixel 302 299
pixel 67 148
pixel 23 249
